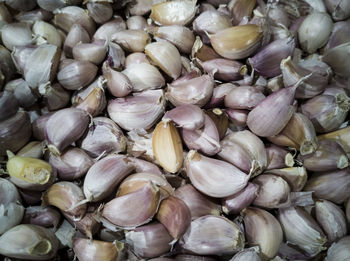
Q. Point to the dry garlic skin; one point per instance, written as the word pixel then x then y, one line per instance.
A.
pixel 29 169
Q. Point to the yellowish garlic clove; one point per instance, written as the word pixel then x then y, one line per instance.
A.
pixel 167 146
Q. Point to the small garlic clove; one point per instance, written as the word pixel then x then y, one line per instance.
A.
pixel 339 251
pixel 45 217
pixel 237 42
pixel 8 105
pixel 76 34
pixel 94 52
pixel 278 157
pixel 220 120
pixel 77 74
pixel 118 84
pixel 105 31
pixel 295 176
pixel 264 230
pixel 235 203
pixel 96 250
pixel 166 56
pixel 331 185
pixel 188 116
pixel 198 204
pixel 115 56
pixel 46 33
pixel 274 192
pixel 332 219
pixel 145 205
pixel 104 176
pixel 38 126
pixel 101 12
pixel 29 242
pixel 167 146
pixel 34 149
pixel 16 34
pixel 30 173
pixel 131 40
pixel 144 76
pixel 197 91
pixel 65 196
pixel 336 58
pixel 64 127
pixel 302 230
pixel 223 69
pixel 174 12
pixel 148 241
pixel 212 177
pixel 212 235
pixel 175 215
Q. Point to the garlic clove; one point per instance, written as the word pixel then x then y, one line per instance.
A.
pixel 16 34
pixel 202 51
pixel 338 9
pixel 295 176
pixel 220 120
pixel 240 9
pixel 117 83
pixel 251 254
pixel 335 58
pixel 115 56
pixel 278 158
pixel 94 52
pixel 8 192
pixel 76 34
pixel 131 40
pixel 105 31
pixel 188 116
pixel 46 33
pixel 339 251
pixel 223 69
pixel 8 105
pixel 340 136
pixel 145 166
pixel 100 12
pixel 24 94
pixel 33 149
pixel 45 217
pixel 136 57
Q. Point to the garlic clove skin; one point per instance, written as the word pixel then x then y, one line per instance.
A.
pixel 339 251
pixel 29 242
pixel 212 235
pixel 212 176
pixel 264 230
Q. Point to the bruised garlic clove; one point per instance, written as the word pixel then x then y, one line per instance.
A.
pixel 76 34
pixel 214 177
pixel 295 176
pixel 64 127
pixel 277 157
pixel 302 230
pixel 145 204
pixel 198 204
pixel 16 34
pixel 151 240
pixel 174 214
pixel 174 13
pixel 339 251
pixel 264 230
pixel 212 235
pixel 235 203
pixel 332 219
pixel 188 116
pixel 96 250
pixel 29 242
pixel 66 196
pixel 131 40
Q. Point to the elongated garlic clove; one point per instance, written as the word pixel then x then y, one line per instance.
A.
pixel 264 230
pixel 223 69
pixel 29 242
pixel 145 205
pixel 188 116
pixel 66 196
pixel 308 236
pixel 151 240
pixel 167 146
pixel 215 178
pixel 64 127
pixel 295 176
pixel 212 235
pixel 277 157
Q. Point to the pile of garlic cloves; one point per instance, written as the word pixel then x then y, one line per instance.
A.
pixel 174 130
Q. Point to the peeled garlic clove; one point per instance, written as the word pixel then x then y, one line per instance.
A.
pixel 212 235
pixel 64 127
pixel 105 31
pixel 145 204
pixel 187 116
pixel 65 196
pixel 205 140
pixel 197 91
pixel 55 97
pixel 145 166
pixel 333 185
pixel 34 149
pixel 243 97
pixel 251 254
pixel 235 203
pixel 77 74
pixel 215 178
pixel 167 146
pixel 198 204
pixel 144 76
pixel 264 230
pixel 72 164
pixel 174 12
pixel 223 69
pixel 66 17
pixel 101 12
pixel 278 50
pixel 277 157
pixel 132 40
pixel 151 240
pixel 8 105
pixel 237 42
pixel 29 242
pixel 295 176
pixel 328 156
pixel 332 219
pixel 180 36
pixel 339 251
pixel 104 176
pixel 45 217
pixel 139 111
pixel 76 34
pixel 302 230
pixel 16 34
pixel 96 250
pixel 335 58
pixel 274 191
pixel 46 33
pixel 94 52
pixel 42 65
pixel 137 181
